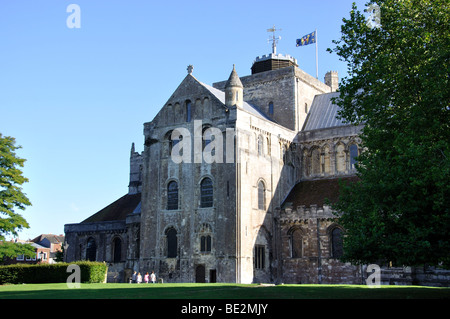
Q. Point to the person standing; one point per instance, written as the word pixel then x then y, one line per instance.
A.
pixel 146 277
pixel 153 277
pixel 139 278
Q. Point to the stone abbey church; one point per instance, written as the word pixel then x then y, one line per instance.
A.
pixel 257 211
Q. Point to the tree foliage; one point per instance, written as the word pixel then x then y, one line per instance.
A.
pixel 398 87
pixel 11 198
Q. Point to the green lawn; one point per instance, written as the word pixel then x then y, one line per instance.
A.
pixel 218 291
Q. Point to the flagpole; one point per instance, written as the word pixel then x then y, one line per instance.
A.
pixel 317 57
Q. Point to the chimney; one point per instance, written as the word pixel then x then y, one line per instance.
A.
pixel 332 80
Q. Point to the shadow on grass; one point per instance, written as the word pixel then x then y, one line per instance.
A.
pixel 217 291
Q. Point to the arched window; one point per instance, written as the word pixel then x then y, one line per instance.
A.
pixel 172 243
pixel 336 243
pixel 117 250
pixel 271 108
pixel 172 196
pixel 326 167
pixel 206 193
pixel 173 140
pixel 261 195
pixel 315 161
pixel 260 145
pixel 296 243
pixel 205 244
pixel 353 155
pixel 188 111
pixel 340 158
pixel 91 249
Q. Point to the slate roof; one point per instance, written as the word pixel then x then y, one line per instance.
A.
pixel 54 239
pixel 323 113
pixel 118 210
pixel 315 192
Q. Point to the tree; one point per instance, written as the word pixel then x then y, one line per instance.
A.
pixel 11 197
pixel 398 87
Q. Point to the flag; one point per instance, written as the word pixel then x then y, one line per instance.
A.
pixel 307 39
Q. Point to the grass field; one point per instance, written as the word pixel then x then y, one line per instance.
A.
pixel 218 291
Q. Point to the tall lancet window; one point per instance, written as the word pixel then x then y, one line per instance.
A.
pixel 261 196
pixel 172 243
pixel 172 196
pixel 188 111
pixel 206 193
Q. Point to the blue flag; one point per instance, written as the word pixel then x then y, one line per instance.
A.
pixel 307 39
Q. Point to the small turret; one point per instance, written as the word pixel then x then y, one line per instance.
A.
pixel 332 80
pixel 234 90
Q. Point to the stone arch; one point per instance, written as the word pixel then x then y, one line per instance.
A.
pixel 91 249
pixel 315 160
pixel 326 159
pixel 261 187
pixel 172 188
pixel 171 236
pixel 262 256
pixel 200 274
pixel 260 144
pixel 305 162
pixel 341 157
pixel 295 235
pixel 206 192
pixel 116 249
pixel 335 237
pixel 177 112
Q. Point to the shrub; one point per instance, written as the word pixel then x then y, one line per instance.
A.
pixel 91 272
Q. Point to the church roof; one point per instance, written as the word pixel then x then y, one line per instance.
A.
pixel 118 210
pixel 323 113
pixel 315 192
pixel 220 95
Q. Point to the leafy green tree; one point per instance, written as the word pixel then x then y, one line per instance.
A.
pixel 11 198
pixel 398 87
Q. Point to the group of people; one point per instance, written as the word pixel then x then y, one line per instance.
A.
pixel 137 278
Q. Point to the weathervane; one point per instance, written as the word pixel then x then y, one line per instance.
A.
pixel 274 39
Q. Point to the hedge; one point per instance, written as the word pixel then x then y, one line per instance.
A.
pixel 91 272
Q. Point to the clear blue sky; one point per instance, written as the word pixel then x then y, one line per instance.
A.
pixel 76 98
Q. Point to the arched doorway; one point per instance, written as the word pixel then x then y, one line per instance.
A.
pixel 200 273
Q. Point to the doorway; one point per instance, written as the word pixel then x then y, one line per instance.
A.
pixel 200 274
pixel 212 276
